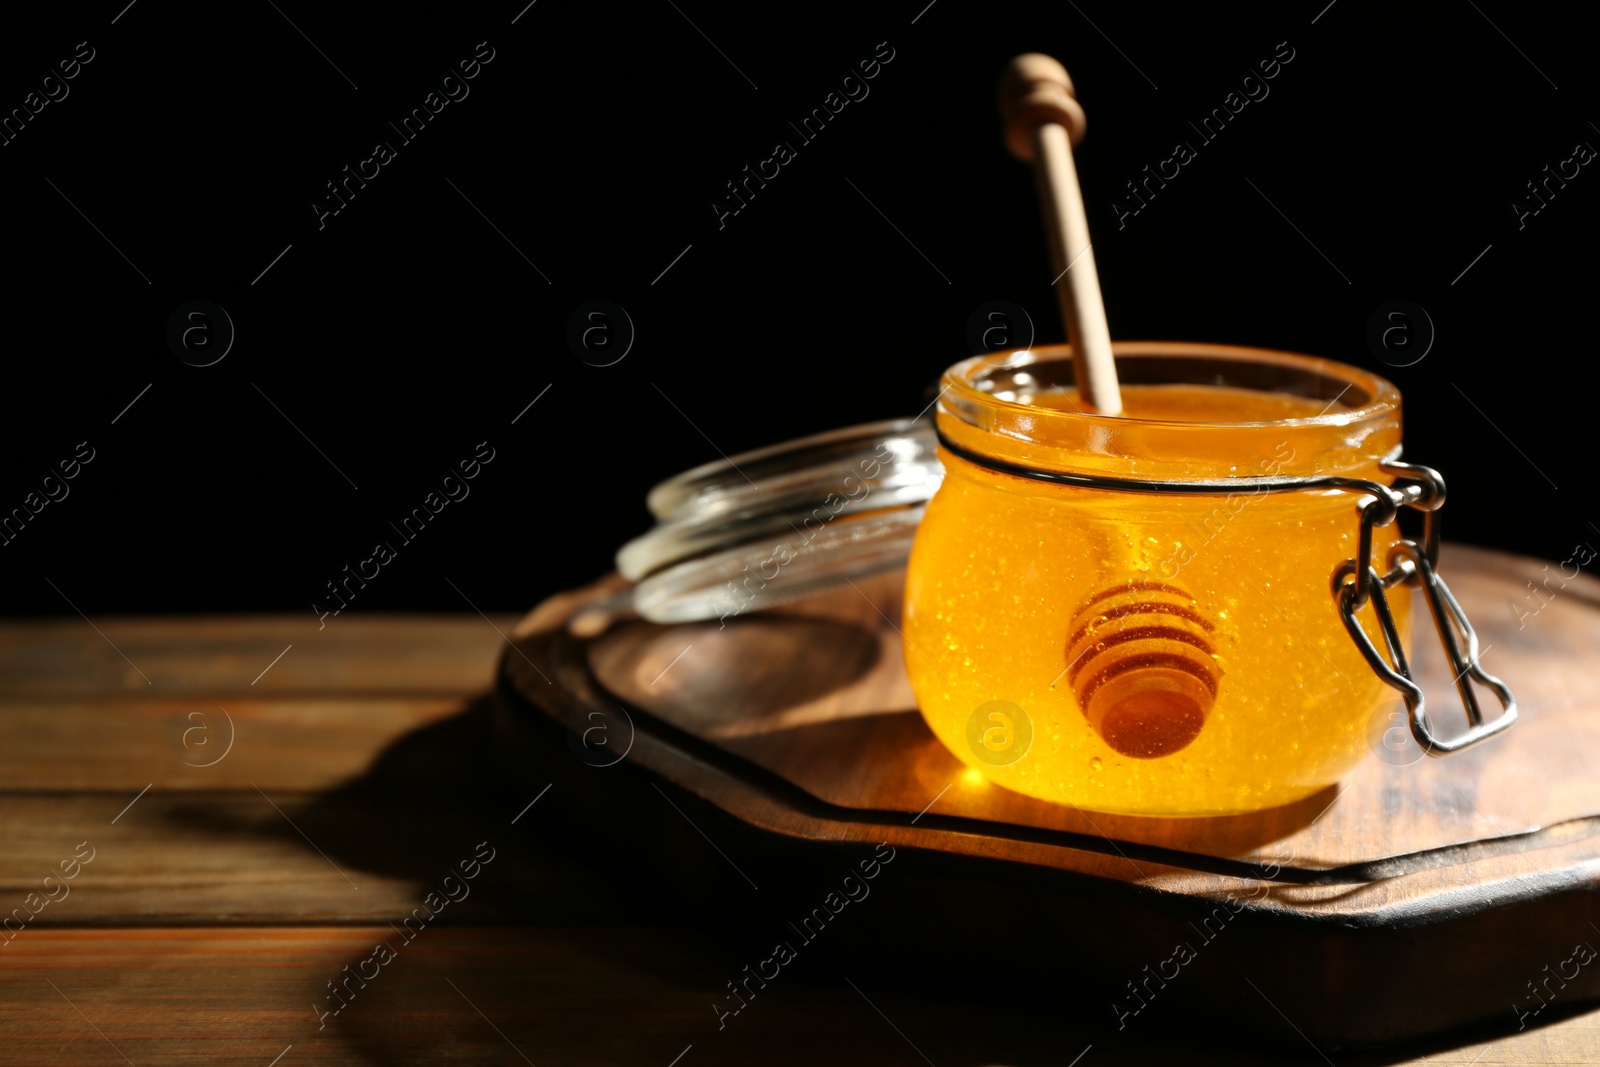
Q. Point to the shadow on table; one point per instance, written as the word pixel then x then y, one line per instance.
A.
pixel 566 963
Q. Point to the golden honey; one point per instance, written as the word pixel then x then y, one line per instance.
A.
pixel 1141 652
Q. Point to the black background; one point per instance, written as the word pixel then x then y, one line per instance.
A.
pixel 408 329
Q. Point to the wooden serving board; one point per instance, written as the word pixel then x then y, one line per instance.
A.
pixel 1410 900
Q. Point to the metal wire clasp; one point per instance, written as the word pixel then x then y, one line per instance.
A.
pixel 1356 581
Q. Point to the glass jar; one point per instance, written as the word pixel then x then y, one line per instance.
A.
pixel 1133 614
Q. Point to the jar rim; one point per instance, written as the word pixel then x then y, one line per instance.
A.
pixel 988 406
pixel 1382 397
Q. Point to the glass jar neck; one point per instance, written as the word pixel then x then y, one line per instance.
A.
pixel 1018 407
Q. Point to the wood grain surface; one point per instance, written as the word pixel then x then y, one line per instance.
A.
pixel 208 923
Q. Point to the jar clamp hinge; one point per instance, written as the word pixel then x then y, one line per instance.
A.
pixel 1356 581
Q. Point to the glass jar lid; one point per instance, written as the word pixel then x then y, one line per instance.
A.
pixel 766 526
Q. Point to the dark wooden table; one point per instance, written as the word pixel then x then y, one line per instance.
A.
pixel 229 885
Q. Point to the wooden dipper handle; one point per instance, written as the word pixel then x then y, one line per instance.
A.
pixel 1043 120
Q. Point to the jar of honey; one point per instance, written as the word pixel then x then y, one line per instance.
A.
pixel 1181 610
